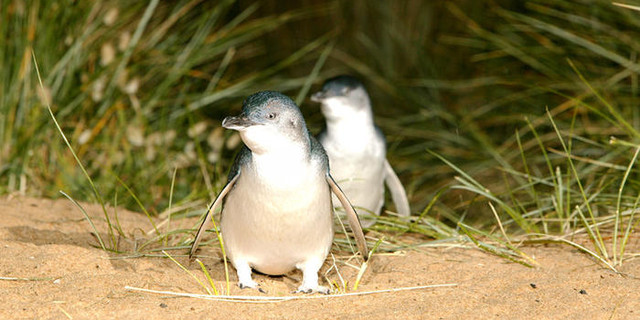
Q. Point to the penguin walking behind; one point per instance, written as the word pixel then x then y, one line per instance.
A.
pixel 357 148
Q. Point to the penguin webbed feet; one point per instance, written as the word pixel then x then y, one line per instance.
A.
pixel 310 290
pixel 251 285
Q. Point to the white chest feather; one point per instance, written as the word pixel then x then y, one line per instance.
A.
pixel 278 215
pixel 356 158
pixel 282 173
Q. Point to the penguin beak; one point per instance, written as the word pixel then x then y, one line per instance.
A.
pixel 238 123
pixel 318 96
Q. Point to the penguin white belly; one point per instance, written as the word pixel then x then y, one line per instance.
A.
pixel 360 174
pixel 277 220
pixel 363 183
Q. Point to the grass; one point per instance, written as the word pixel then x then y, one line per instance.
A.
pixel 516 126
pixel 101 83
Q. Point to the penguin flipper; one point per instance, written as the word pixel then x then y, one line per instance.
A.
pixel 352 217
pixel 398 194
pixel 216 203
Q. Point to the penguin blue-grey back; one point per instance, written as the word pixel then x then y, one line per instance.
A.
pixel 357 148
pixel 277 214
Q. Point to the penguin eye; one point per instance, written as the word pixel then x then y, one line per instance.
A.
pixel 271 116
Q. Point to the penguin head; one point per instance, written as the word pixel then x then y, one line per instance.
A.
pixel 269 122
pixel 342 97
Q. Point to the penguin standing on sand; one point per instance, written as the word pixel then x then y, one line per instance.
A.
pixel 277 214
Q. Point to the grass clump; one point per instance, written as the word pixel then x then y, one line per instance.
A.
pixel 125 83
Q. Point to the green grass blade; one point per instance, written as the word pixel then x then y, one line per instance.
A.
pixel 208 276
pixel 188 272
pixel 84 171
pixel 577 178
pixel 140 205
pixel 314 73
pixel 86 216
pixel 618 204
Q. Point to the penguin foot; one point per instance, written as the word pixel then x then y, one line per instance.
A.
pixel 315 289
pixel 254 285
pixel 310 276
pixel 244 276
pixel 248 284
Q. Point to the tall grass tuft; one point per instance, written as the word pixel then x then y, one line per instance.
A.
pixel 128 84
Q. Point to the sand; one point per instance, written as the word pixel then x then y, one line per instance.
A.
pixel 51 269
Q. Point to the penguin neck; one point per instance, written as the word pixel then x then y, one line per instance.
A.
pixel 267 144
pixel 289 158
pixel 352 130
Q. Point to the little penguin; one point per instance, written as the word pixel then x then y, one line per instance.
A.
pixel 277 214
pixel 357 148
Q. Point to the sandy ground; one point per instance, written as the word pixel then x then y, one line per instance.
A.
pixel 50 270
